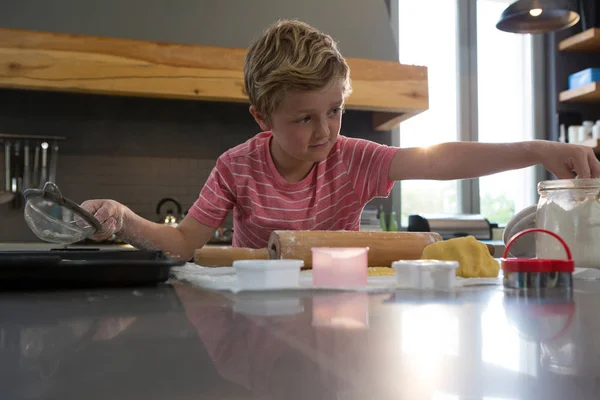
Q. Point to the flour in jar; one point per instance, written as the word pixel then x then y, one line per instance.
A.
pixel 578 225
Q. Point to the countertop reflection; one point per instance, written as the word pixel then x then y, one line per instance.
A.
pixel 180 342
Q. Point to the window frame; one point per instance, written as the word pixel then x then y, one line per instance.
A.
pixel 467 98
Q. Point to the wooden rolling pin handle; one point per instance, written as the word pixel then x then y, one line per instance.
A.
pixel 224 256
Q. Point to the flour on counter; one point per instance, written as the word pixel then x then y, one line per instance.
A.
pixel 224 279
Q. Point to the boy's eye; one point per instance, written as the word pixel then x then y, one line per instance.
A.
pixel 303 120
pixel 336 111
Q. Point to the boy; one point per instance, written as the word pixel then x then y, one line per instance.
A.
pixel 299 173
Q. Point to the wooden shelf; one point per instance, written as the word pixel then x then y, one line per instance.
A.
pixel 111 66
pixel 587 41
pixel 586 94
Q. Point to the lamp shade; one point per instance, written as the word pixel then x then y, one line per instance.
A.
pixel 539 16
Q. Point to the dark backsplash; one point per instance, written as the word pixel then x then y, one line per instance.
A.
pixel 134 150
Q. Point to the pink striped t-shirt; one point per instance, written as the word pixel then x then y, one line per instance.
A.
pixel 331 197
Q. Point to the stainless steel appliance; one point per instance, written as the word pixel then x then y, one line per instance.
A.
pixel 169 217
pixel 452 226
pixel 222 236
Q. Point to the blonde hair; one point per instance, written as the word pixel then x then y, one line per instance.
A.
pixel 291 55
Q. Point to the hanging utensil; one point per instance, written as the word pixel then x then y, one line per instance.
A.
pixel 35 180
pixel 26 168
pixel 53 162
pixel 17 179
pixel 44 172
pixel 6 195
pixel 7 165
pixel 55 211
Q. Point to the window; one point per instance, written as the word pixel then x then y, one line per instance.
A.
pixel 421 45
pixel 500 98
pixel 505 109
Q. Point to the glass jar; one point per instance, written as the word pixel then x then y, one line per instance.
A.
pixel 571 209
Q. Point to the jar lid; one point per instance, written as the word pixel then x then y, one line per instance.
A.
pixel 562 184
pixel 536 265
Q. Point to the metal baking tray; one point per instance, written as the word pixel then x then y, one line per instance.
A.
pixel 79 268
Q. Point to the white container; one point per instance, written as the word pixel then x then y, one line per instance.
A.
pixel 573 134
pixel 596 131
pixel 588 127
pixel 563 135
pixel 267 274
pixel 425 274
pixel 582 134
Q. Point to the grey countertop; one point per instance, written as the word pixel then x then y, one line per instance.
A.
pixel 498 245
pixel 41 246
pixel 176 341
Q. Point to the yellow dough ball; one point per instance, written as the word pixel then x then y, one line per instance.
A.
pixel 473 256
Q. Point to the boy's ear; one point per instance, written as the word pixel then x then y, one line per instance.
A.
pixel 260 119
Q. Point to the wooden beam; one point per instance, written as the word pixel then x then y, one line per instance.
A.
pixel 112 66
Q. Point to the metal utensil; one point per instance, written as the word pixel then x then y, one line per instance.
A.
pixel 537 273
pixel 55 211
pixel 6 195
pixel 53 163
pixel 35 180
pixel 56 219
pixel 44 172
pixel 7 165
pixel 26 168
pixel 17 179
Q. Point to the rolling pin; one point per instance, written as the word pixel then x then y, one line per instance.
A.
pixel 384 247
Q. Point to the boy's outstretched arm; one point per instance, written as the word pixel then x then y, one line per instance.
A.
pixel 463 160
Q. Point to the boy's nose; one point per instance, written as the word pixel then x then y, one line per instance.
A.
pixel 322 130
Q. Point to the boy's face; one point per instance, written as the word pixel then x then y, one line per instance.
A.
pixel 306 124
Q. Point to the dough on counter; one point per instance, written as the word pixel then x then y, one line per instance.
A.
pixel 473 256
pixel 381 271
pixel 372 271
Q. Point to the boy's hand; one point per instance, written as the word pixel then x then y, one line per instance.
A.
pixel 568 160
pixel 109 213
